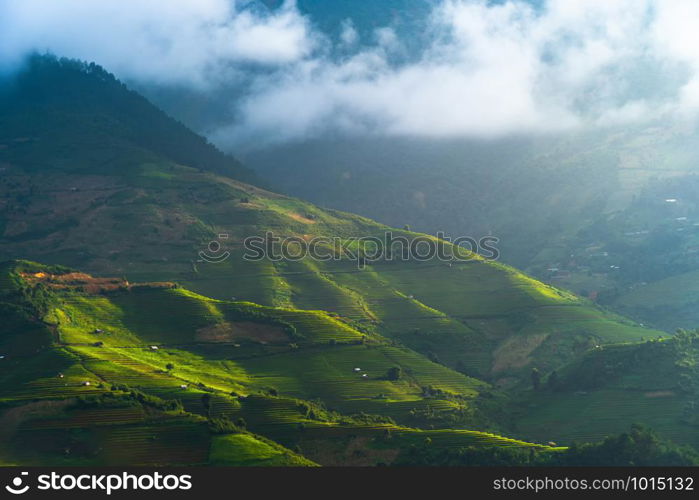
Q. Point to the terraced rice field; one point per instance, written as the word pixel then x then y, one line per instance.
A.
pixel 565 418
pixel 22 386
pixel 182 443
pixel 242 450
pixel 88 418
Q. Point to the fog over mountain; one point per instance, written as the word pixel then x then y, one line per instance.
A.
pixel 466 68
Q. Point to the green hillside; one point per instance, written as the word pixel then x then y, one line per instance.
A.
pixel 586 212
pixel 101 371
pixel 151 224
pixel 180 378
pixel 654 382
pixel 346 361
pixel 148 220
pixel 75 117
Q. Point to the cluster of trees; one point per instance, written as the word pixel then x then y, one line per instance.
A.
pixel 316 410
pixel 394 373
pixel 132 397
pixel 227 426
pixel 64 92
pixel 638 447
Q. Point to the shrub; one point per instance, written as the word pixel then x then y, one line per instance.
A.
pixel 222 426
pixel 394 373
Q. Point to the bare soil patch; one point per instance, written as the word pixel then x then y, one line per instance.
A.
pixel 242 330
pixel 88 283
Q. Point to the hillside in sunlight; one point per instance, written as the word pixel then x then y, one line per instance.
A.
pixel 101 371
pixel 149 219
pixel 132 343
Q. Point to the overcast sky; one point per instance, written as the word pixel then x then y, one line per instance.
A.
pixel 484 70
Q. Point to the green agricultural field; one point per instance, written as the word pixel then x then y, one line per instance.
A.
pixel 245 450
pixel 650 383
pixel 460 314
pixel 132 375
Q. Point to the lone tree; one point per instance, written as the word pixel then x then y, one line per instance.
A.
pixel 536 379
pixel 394 373
pixel 169 367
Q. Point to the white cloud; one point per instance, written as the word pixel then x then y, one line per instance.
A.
pixel 348 36
pixel 484 70
pixel 188 42
pixel 676 37
pixel 489 70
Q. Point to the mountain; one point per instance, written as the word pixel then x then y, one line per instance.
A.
pixel 586 212
pixel 73 117
pixel 149 219
pixel 530 193
pixel 549 198
pixel 135 296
